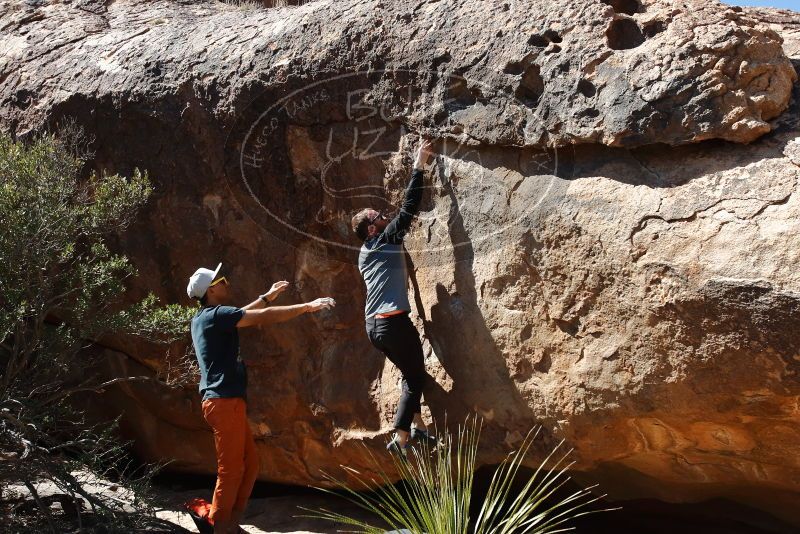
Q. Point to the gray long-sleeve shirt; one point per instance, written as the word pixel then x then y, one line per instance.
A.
pixel 382 259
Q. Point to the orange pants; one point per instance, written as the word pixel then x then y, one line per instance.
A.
pixel 237 458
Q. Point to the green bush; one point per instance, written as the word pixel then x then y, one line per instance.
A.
pixel 61 289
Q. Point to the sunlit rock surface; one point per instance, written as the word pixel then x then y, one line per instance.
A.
pixel 608 243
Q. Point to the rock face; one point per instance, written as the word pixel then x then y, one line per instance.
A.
pixel 607 245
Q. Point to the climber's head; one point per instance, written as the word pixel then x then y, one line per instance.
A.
pixel 368 223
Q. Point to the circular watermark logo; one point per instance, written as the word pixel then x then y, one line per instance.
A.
pixel 310 156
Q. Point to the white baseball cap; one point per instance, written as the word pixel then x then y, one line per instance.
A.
pixel 200 280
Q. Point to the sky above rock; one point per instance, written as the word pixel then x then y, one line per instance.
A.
pixel 786 4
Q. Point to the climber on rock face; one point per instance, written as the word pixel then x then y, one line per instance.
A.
pixel 382 264
pixel 223 383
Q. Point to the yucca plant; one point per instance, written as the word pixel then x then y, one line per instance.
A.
pixel 437 488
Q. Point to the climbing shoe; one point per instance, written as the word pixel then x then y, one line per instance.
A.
pixel 199 510
pixel 394 447
pixel 421 436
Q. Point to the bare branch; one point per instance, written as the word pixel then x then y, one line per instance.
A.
pixel 45 511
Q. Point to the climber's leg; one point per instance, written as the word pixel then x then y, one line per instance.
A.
pixel 397 338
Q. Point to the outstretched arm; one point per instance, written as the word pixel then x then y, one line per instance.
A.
pixel 261 302
pixel 279 314
pixel 396 229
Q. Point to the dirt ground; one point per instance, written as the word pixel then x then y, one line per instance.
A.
pixel 275 509
pixel 266 514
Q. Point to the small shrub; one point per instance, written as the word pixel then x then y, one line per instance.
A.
pixel 61 289
pixel 435 494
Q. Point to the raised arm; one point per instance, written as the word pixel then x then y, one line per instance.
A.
pixel 279 314
pixel 396 229
pixel 262 300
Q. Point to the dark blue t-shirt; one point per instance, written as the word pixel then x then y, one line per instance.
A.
pixel 216 344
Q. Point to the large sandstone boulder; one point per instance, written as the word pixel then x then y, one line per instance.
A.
pixel 607 246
